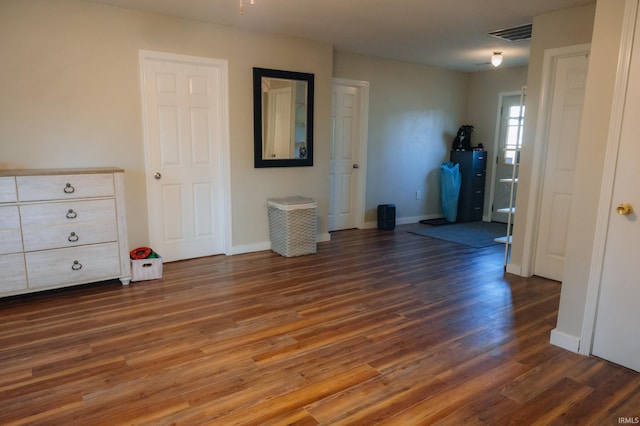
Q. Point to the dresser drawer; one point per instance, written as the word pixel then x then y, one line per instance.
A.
pixel 475 213
pixel 68 224
pixel 477 177
pixel 61 187
pixel 477 199
pixel 8 190
pixel 479 160
pixel 12 272
pixel 10 238
pixel 53 268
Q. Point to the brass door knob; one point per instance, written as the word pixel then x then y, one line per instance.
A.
pixel 624 209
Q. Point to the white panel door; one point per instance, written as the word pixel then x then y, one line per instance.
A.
pixel 184 109
pixel 567 99
pixel 280 128
pixel 344 150
pixel 617 328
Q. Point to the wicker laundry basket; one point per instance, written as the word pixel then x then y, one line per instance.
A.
pixel 293 225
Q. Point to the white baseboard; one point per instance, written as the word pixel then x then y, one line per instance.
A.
pixel 565 341
pixel 414 219
pixel 250 248
pixel 321 238
pixel 405 220
pixel 514 269
pixel 266 245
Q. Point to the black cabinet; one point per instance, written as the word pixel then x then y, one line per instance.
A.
pixel 473 167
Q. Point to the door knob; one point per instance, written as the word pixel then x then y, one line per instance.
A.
pixel 356 166
pixel 157 175
pixel 624 209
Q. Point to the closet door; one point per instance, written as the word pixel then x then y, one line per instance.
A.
pixel 617 335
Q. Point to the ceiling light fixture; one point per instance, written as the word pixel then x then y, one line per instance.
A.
pixel 242 6
pixel 496 59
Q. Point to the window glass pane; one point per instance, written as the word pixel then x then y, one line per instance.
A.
pixel 514 129
pixel 512 136
pixel 514 111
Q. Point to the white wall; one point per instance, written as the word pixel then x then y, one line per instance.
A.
pixel 558 29
pixel 414 113
pixel 589 165
pixel 71 98
pixel 482 107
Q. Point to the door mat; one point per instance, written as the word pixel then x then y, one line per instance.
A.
pixel 470 234
pixel 436 222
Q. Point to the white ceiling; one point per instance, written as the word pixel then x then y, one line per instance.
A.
pixel 444 33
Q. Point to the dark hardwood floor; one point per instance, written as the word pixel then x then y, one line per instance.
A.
pixel 378 327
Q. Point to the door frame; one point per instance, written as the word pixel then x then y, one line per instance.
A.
pixel 496 144
pixel 540 154
pixel 361 156
pixel 594 283
pixel 225 161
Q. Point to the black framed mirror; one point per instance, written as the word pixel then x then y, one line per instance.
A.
pixel 282 118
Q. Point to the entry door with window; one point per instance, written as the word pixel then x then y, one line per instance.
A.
pixel 509 144
pixel 185 108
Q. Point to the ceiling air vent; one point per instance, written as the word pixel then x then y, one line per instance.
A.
pixel 521 32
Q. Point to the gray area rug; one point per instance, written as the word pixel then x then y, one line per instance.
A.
pixel 470 234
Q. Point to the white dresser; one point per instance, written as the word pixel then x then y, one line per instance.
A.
pixel 61 227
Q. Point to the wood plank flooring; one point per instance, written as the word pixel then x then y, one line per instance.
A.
pixel 378 327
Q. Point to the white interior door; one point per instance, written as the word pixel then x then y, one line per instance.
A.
pixel 345 164
pixel 617 331
pixel 280 125
pixel 185 109
pixel 567 98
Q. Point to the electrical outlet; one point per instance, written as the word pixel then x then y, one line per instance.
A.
pixel 417 195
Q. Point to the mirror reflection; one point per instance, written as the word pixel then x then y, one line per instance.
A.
pixel 283 118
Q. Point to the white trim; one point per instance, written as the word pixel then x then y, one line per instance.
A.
pixel 250 248
pixel 496 143
pixel 321 238
pixel 540 150
pixel 266 245
pixel 514 268
pixel 608 176
pixel 413 219
pixel 404 220
pixel 225 162
pixel 370 225
pixel 361 191
pixel 565 341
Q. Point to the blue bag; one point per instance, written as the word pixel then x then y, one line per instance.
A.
pixel 450 181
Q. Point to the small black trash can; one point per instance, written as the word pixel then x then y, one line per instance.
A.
pixel 386 216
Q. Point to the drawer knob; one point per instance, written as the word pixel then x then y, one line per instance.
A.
pixel 76 265
pixel 73 237
pixel 68 189
pixel 71 214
